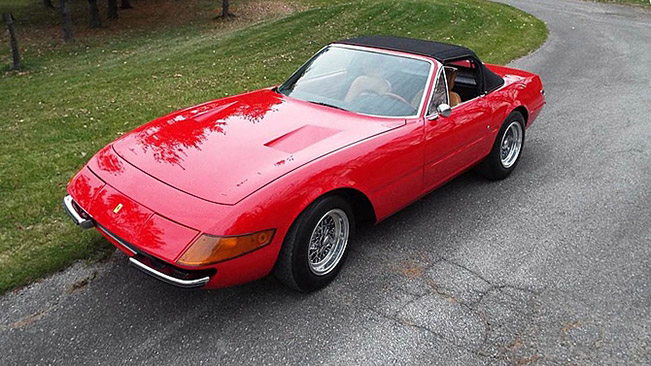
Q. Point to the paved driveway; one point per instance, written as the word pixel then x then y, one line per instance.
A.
pixel 551 266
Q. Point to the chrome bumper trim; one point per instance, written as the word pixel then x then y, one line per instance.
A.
pixel 118 240
pixel 199 282
pixel 74 215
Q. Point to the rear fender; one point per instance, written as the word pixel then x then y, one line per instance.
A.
pixel 522 89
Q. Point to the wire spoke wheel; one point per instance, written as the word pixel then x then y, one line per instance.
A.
pixel 511 144
pixel 328 242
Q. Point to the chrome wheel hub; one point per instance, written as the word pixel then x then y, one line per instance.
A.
pixel 328 242
pixel 511 144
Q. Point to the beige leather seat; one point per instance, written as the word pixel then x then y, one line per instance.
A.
pixel 451 75
pixel 366 83
pixel 415 101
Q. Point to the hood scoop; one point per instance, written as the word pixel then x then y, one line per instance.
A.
pixel 301 138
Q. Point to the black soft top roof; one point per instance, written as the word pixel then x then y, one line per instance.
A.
pixel 442 52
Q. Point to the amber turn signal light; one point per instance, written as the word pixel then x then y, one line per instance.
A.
pixel 209 249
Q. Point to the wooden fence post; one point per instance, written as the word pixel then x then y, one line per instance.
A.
pixel 13 42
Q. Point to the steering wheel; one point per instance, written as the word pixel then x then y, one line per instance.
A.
pixel 390 95
pixel 398 98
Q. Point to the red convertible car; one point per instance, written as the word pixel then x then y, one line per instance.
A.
pixel 276 180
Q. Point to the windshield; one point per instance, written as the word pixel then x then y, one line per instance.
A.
pixel 361 81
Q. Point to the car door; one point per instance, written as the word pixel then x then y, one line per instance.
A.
pixel 455 142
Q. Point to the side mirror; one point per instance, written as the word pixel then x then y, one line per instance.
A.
pixel 444 110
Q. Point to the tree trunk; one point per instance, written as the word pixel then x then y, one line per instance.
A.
pixel 112 9
pixel 226 13
pixel 95 19
pixel 126 4
pixel 67 21
pixel 47 4
pixel 13 43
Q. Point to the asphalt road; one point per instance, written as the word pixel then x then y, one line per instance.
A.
pixel 551 266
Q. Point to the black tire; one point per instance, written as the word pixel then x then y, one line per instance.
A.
pixel 492 167
pixel 293 267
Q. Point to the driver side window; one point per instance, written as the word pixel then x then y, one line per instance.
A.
pixel 439 93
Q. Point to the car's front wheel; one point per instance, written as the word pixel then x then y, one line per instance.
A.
pixel 316 245
pixel 506 151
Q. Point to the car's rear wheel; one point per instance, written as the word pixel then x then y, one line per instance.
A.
pixel 506 151
pixel 316 245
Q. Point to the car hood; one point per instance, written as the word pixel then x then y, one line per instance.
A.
pixel 224 150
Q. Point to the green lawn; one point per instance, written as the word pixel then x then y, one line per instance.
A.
pixel 72 100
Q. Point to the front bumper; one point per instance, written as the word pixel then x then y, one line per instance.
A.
pixel 152 266
pixel 178 282
pixel 76 213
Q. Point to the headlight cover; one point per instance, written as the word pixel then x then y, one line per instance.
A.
pixel 210 249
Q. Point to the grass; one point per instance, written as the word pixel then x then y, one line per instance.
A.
pixel 73 99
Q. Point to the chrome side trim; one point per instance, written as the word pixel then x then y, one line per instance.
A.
pixel 74 215
pixel 199 282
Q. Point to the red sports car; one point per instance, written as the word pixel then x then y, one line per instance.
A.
pixel 276 180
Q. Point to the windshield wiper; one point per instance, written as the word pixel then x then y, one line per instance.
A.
pixel 328 105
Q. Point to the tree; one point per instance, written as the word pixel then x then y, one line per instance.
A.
pixel 95 19
pixel 67 21
pixel 47 4
pixel 13 43
pixel 126 4
pixel 226 13
pixel 112 9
